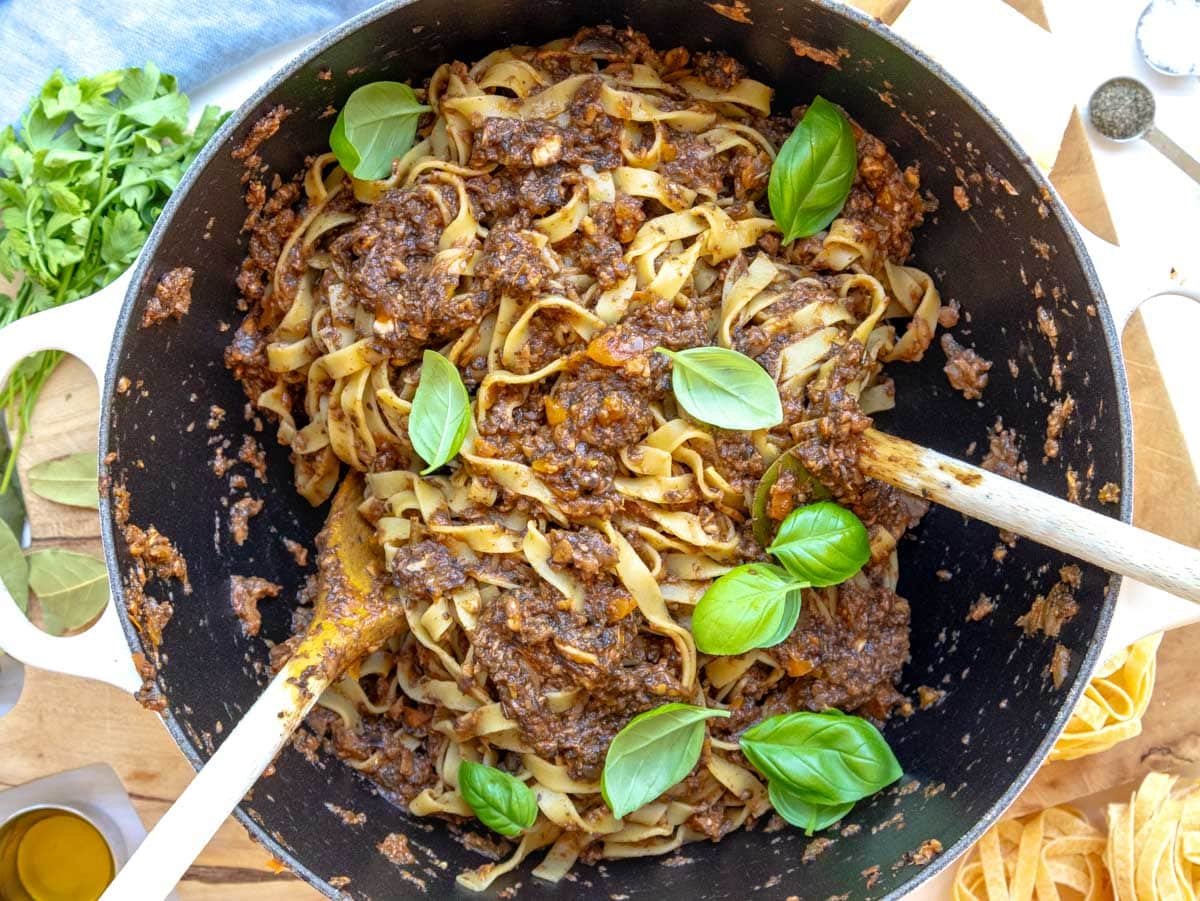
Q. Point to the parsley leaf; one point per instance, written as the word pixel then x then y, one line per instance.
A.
pixel 82 180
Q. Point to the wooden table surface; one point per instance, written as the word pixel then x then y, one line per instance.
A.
pixel 61 722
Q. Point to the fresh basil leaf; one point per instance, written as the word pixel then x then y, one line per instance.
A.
pixel 764 525
pixel 724 388
pixel 823 544
pixel 787 622
pixel 347 154
pixel 813 172
pixel 70 480
pixel 752 606
pixel 655 750
pixel 822 758
pixel 376 126
pixel 14 571
pixel 441 412
pixel 809 817
pixel 502 802
pixel 71 588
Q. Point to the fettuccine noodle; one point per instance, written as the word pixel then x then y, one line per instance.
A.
pixel 1151 851
pixel 1153 848
pixel 1045 855
pixel 1113 704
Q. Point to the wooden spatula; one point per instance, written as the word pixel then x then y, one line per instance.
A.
pixel 354 614
pixel 1044 518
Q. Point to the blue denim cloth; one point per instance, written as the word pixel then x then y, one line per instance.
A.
pixel 194 41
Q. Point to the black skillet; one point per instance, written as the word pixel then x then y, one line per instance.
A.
pixel 971 754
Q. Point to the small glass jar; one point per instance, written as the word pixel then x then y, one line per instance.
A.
pixel 96 802
pixel 54 853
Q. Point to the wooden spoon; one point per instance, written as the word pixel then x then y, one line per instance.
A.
pixel 1044 518
pixel 355 612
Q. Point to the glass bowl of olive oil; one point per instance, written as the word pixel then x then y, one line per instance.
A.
pixel 64 836
pixel 54 853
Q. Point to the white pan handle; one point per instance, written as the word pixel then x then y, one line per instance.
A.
pixel 1126 279
pixel 84 329
pixel 1141 610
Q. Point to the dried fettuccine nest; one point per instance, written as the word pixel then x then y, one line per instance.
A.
pixel 1052 854
pixel 1153 848
pixel 1113 704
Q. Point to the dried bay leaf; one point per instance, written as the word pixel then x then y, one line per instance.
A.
pixel 14 571
pixel 12 507
pixel 70 480
pixel 71 588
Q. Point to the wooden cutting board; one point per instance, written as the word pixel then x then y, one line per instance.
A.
pixel 62 723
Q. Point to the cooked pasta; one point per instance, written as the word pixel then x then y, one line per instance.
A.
pixel 564 211
pixel 1113 704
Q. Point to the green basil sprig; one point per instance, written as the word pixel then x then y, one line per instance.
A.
pixel 825 759
pixel 753 606
pixel 655 750
pixel 502 802
pixel 813 172
pixel 724 388
pixel 441 412
pixel 822 543
pixel 804 814
pixel 376 126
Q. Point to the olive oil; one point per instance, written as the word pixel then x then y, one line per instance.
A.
pixel 52 854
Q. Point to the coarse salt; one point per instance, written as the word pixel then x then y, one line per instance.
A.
pixel 1169 34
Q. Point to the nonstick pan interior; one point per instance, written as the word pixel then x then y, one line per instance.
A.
pixel 1009 254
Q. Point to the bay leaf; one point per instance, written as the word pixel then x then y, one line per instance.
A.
pixel 14 571
pixel 70 480
pixel 72 588
pixel 12 508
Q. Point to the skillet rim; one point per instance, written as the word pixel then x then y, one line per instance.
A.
pixel 1112 339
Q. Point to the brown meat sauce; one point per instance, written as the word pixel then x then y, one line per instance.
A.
pixel 530 647
pixel 244 594
pixel 965 370
pixel 172 297
pixel 153 559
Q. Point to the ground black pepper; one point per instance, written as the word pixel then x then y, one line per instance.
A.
pixel 1122 109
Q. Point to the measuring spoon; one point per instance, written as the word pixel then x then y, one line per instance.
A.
pixel 1168 36
pixel 1122 109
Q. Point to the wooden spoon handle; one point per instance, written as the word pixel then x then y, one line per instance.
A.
pixel 179 837
pixel 1054 522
